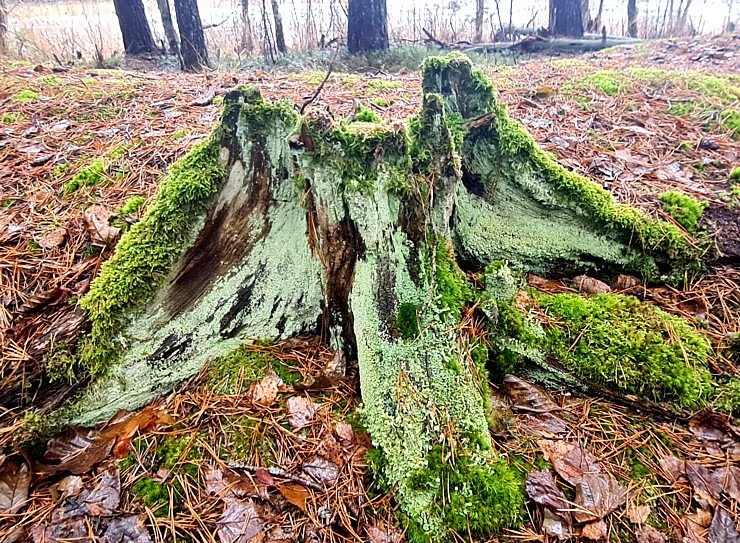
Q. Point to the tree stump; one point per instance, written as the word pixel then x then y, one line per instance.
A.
pixel 280 225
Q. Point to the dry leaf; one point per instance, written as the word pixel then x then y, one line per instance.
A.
pixel 345 433
pixel 240 521
pixel 648 534
pixel 336 369
pixel 589 285
pixel 126 529
pixel 541 488
pixel 595 531
pixel 105 497
pixel 330 449
pixel 53 238
pixel 638 514
pixel 63 531
pixel 673 468
pixel 385 534
pixel 626 282
pixel 722 529
pixel 545 425
pixel 15 478
pixel 295 494
pixel 321 470
pixel 527 397
pixel 569 460
pixel 101 233
pixel 70 486
pixel 301 411
pixel 597 495
pixel 554 525
pixel 75 450
pixel 266 391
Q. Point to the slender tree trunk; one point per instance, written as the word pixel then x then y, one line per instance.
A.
pixel 279 34
pixel 192 41
pixel 3 27
pixel 479 9
pixel 169 27
pixel 247 44
pixel 597 20
pixel 588 23
pixel 632 18
pixel 137 36
pixel 567 18
pixel 367 26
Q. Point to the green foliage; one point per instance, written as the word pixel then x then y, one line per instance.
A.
pixel 91 175
pixel 451 284
pixel 132 206
pixel 682 207
pixel 636 347
pixel 682 109
pixel 735 174
pixel 366 115
pixel 730 121
pixel 58 363
pixel 26 95
pixel 154 494
pixel 9 118
pixel 234 372
pixel 478 498
pixel 407 320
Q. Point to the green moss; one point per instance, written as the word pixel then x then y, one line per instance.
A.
pixel 173 451
pixel 606 82
pixel 154 494
pixel 379 84
pixel 366 115
pixel 477 497
pixel 58 363
pixel 9 118
pixel 682 109
pixel 728 397
pixel 632 346
pixel 686 210
pixel 730 121
pixel 408 320
pixel 26 95
pixel 735 175
pixel 132 206
pixel 451 284
pixel 89 176
pixel 234 372
pixel 51 81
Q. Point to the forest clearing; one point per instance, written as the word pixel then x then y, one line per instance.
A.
pixel 601 367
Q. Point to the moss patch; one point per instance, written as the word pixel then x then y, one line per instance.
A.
pixel 686 210
pixel 26 95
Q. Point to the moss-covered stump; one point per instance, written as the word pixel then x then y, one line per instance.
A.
pixel 280 225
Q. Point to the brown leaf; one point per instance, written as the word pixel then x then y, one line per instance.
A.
pixel 648 534
pixel 266 391
pixel 295 494
pixel 673 468
pixel 597 495
pixel 105 497
pixel 710 484
pixel 547 425
pixel 570 461
pixel 638 514
pixel 63 531
pixel 126 529
pixel 321 470
pixel 101 233
pixel 715 432
pixel 722 529
pixel 384 534
pixel 53 238
pixel 263 476
pixel 542 489
pixel 697 525
pixel 15 478
pixel 70 486
pixel 345 433
pixel 301 411
pixel 527 397
pixel 330 449
pixel 43 299
pixel 75 450
pixel 336 369
pixel 227 484
pixel 626 282
pixel 589 285
pixel 595 531
pixel 240 521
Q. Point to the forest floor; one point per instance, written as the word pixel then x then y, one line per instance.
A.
pixel 76 146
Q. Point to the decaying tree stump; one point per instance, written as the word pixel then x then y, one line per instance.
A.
pixel 280 225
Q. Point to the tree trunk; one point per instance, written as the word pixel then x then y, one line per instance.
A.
pixel 137 36
pixel 632 18
pixel 279 34
pixel 597 21
pixel 367 26
pixel 192 41
pixel 566 18
pixel 588 23
pixel 247 43
pixel 355 232
pixel 480 6
pixel 3 27
pixel 169 27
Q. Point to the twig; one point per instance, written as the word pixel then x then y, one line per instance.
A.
pixel 323 82
pixel 277 472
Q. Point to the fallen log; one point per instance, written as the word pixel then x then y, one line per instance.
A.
pixel 281 225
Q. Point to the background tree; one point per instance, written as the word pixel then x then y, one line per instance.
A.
pixel 3 27
pixel 566 18
pixel 247 44
pixel 632 18
pixel 193 50
pixel 479 9
pixel 169 27
pixel 367 28
pixel 279 34
pixel 137 36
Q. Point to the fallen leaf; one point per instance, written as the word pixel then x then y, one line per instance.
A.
pixel 722 529
pixel 70 529
pixel 673 468
pixel 126 529
pixel 541 488
pixel 638 514
pixel 53 238
pixel 595 531
pixel 75 450
pixel 554 525
pixel 101 233
pixel 301 411
pixel 42 300
pixel 626 282
pixel 589 285
pixel 336 369
pixel 648 534
pixel 386 534
pixel 15 478
pixel 697 525
pixel 60 126
pixel 240 521
pixel 295 494
pixel 547 425
pixel 345 433
pixel 330 449
pixel 266 391
pixel 570 461
pixel 710 484
pixel 715 432
pixel 263 476
pixel 70 486
pixel 105 497
pixel 321 470
pixel 597 495
pixel 527 397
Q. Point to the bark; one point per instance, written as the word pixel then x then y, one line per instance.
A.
pixel 247 43
pixel 169 27
pixel 632 18
pixel 588 23
pixel 479 11
pixel 566 18
pixel 279 34
pixel 3 27
pixel 367 26
pixel 597 21
pixel 193 50
pixel 137 36
pixel 355 232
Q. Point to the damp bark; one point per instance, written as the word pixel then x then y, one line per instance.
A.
pixel 353 231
